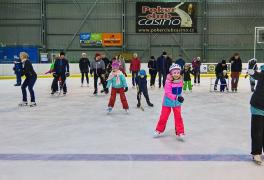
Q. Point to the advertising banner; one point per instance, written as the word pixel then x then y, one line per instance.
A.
pixel 112 39
pixel 166 17
pixel 91 39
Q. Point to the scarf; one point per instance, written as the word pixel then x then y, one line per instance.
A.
pixel 115 74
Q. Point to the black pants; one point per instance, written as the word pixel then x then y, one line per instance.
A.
pixel 102 79
pixel 163 76
pixel 153 75
pixel 145 93
pixel 62 78
pixel 218 77
pixel 29 82
pixel 257 134
pixel 134 76
pixel 197 76
pixel 86 75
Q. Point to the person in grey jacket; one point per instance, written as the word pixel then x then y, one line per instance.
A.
pixel 98 70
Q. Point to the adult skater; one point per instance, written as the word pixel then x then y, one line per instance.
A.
pixel 180 61
pixel 118 82
pixel 98 69
pixel 236 68
pixel 172 100
pixel 141 81
pixel 18 70
pixel 220 67
pixel 84 65
pixel 134 68
pixel 29 82
pixel 163 64
pixel 196 65
pixel 152 65
pixel 61 71
pixel 252 64
pixel 257 115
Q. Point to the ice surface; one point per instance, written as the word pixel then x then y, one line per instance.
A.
pixel 215 123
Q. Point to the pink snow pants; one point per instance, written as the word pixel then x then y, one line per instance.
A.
pixel 165 113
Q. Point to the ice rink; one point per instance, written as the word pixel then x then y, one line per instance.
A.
pixel 72 137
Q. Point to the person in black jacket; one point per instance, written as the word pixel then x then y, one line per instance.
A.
pixel 236 68
pixel 61 71
pixel 252 64
pixel 152 65
pixel 141 81
pixel 17 69
pixel 108 67
pixel 163 64
pixel 257 115
pixel 84 65
pixel 220 67
pixel 29 82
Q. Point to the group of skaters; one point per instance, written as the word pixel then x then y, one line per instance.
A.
pixel 174 77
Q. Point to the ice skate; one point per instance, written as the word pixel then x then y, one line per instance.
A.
pixel 180 137
pixel 32 104
pixel 23 103
pixel 95 93
pixel 157 134
pixel 82 85
pixel 150 104
pixel 257 159
pixel 127 111
pixel 109 110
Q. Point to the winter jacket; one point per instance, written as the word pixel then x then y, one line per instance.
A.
pixel 61 66
pixel 142 83
pixel 114 84
pixel 84 65
pixel 28 70
pixel 17 66
pixel 219 69
pixel 135 65
pixel 180 62
pixel 187 74
pixel 196 65
pixel 257 99
pixel 172 92
pixel 106 61
pixel 152 65
pixel 97 67
pixel 163 64
pixel 236 64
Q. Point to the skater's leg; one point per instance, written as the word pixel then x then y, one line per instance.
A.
pixel 195 77
pixel 185 85
pixel 18 78
pixel 63 83
pixel 232 81
pixel 123 98
pixel 112 98
pixel 133 78
pixel 199 77
pixel 216 82
pixel 154 78
pixel 23 88
pixel 87 78
pixel 102 79
pixel 179 127
pixel 160 75
pixel 189 85
pixel 30 88
pixel 54 85
pixel 165 113
pixel 257 132
pixel 164 78
pixel 95 82
pixel 82 77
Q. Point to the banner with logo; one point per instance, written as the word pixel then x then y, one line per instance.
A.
pixel 166 17
pixel 112 39
pixel 91 39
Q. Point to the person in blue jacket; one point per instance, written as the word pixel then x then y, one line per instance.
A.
pixel 61 70
pixel 18 70
pixel 163 64
pixel 141 81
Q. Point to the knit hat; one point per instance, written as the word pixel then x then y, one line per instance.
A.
pixel 142 72
pixel 174 67
pixel 164 53
pixel 115 65
pixel 152 57
pixel 223 61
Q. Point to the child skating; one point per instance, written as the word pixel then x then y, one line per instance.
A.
pixel 257 116
pixel 119 85
pixel 223 81
pixel 172 101
pixel 141 81
pixel 187 78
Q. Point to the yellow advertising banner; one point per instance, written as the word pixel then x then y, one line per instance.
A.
pixel 112 39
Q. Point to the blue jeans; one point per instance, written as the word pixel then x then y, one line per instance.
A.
pixel 29 82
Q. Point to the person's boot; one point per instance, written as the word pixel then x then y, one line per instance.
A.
pixel 149 103
pixel 138 105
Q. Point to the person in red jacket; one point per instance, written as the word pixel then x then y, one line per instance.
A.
pixel 134 68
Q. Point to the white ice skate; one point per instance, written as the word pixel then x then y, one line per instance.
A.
pixel 32 104
pixel 82 85
pixel 257 159
pixel 23 103
pixel 180 137
pixel 127 111
pixel 157 134
pixel 109 110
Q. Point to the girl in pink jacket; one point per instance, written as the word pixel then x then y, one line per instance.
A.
pixel 172 100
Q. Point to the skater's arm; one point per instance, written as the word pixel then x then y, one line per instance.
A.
pixel 67 66
pixel 109 82
pixel 257 75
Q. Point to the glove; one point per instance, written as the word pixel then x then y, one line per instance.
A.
pixel 180 99
pixel 67 74
pixel 125 89
pixel 251 72
pixel 55 75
